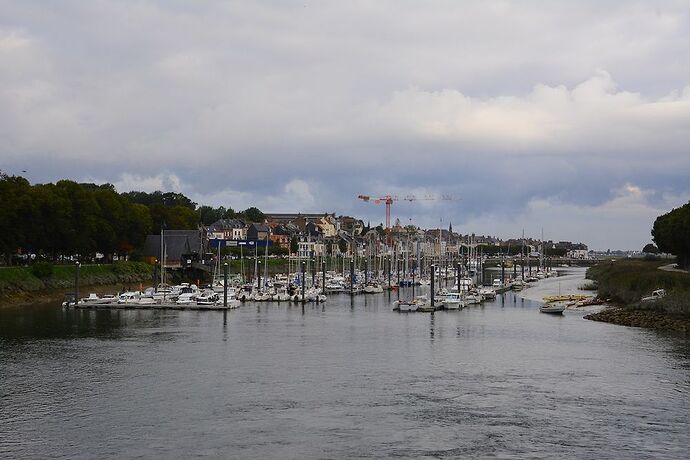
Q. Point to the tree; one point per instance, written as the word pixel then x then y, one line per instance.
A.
pixel 293 245
pixel 16 210
pixel 671 233
pixel 253 215
pixel 209 215
pixel 650 249
pixel 342 246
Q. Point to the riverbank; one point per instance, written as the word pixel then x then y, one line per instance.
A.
pixel 625 282
pixel 641 318
pixel 26 285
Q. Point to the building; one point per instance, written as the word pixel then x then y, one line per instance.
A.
pixel 257 232
pixel 182 248
pixel 578 254
pixel 227 229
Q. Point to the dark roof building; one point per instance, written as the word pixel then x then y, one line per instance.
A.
pixel 180 246
pixel 258 232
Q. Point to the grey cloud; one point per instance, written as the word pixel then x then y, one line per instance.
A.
pixel 287 104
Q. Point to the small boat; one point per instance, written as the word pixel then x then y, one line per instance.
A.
pixel 208 298
pixel 487 292
pixel 556 308
pixel 453 301
pixel 410 305
pixel 373 288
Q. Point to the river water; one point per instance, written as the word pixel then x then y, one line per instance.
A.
pixel 341 380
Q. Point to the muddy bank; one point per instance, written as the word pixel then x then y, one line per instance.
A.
pixel 57 295
pixel 642 318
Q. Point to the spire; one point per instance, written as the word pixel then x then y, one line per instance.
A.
pixel 450 228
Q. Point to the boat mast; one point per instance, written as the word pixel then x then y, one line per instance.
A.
pixel 162 256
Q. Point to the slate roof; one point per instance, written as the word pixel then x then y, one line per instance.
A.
pixel 177 242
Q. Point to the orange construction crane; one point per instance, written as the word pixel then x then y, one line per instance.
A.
pixel 389 199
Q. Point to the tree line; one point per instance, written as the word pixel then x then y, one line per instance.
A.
pixel 69 218
pixel 671 233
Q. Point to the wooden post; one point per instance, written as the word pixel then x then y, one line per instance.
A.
pixel 76 283
pixel 304 281
pixel 389 274
pixel 503 271
pixel 225 285
pixel 323 276
pixel 433 284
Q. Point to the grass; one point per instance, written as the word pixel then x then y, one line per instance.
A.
pixel 627 281
pixel 21 279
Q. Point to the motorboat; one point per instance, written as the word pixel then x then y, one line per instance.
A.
pixel 208 298
pixel 187 298
pixel 487 292
pixel 373 288
pixel 131 297
pixel 453 301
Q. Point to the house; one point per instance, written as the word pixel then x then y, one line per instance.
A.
pixel 578 254
pixel 280 235
pixel 227 229
pixel 182 247
pixel 258 232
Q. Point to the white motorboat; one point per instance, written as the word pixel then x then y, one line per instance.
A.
pixel 131 297
pixel 373 288
pixel 208 298
pixel 487 292
pixel 453 301
pixel 187 298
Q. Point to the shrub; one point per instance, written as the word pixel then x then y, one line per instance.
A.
pixel 42 270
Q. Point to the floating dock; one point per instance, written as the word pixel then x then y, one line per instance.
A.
pixel 153 306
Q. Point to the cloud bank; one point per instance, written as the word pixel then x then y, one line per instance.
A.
pixel 537 115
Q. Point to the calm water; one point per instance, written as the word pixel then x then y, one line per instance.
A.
pixel 336 381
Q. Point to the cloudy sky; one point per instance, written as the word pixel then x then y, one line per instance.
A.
pixel 571 117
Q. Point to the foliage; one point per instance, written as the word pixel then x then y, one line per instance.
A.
pixel 42 270
pixel 671 233
pixel 650 249
pixel 67 218
pixel 342 246
pixel 252 215
pixel 293 245
pixel 627 281
pixel 22 279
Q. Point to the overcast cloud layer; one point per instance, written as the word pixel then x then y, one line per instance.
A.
pixel 572 118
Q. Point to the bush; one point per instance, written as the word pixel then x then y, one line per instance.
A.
pixel 42 270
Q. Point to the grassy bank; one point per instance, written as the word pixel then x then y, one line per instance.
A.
pixel 24 282
pixel 625 282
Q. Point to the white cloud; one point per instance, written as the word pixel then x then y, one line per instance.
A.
pixel 594 114
pixel 622 222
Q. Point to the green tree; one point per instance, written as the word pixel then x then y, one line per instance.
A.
pixel 253 215
pixel 16 213
pixel 649 248
pixel 671 233
pixel 209 215
pixel 293 245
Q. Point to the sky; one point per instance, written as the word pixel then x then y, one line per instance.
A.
pixel 571 117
